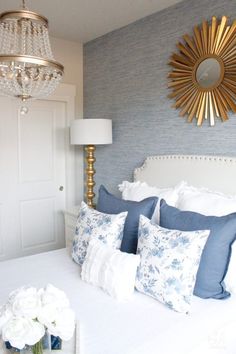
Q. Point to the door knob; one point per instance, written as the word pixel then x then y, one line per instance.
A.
pixel 61 188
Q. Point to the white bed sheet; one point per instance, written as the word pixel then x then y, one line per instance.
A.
pixel 138 326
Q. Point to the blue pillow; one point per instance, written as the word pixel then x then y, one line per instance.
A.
pixel 108 203
pixel 217 251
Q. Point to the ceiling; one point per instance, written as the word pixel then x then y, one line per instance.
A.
pixel 84 20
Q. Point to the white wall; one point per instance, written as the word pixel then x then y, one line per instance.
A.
pixel 70 54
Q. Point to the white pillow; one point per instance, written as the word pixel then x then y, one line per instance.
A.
pixel 169 263
pixel 92 224
pixel 112 270
pixel 204 201
pixel 138 191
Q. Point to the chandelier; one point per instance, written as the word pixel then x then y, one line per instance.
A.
pixel 27 67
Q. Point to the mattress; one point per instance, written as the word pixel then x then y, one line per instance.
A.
pixel 138 326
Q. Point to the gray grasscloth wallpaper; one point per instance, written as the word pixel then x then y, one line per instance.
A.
pixel 125 77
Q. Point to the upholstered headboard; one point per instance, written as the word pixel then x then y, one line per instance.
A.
pixel 215 172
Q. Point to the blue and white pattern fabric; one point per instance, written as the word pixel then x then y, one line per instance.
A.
pixel 94 225
pixel 169 263
pixel 217 252
pixel 109 203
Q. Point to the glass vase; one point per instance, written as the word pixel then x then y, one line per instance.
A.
pixel 41 347
pixel 37 348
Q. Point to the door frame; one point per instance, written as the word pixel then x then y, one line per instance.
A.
pixel 74 188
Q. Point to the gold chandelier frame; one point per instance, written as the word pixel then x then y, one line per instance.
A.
pixel 23 62
pixel 32 60
pixel 24 14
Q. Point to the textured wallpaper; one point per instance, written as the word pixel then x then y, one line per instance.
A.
pixel 125 78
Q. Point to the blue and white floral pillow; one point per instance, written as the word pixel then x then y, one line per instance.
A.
pixel 92 224
pixel 169 263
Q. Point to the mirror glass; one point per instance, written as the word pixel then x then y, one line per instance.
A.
pixel 208 72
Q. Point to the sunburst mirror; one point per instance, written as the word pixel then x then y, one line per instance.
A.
pixel 203 78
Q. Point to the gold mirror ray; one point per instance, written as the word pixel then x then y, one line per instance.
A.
pixel 200 92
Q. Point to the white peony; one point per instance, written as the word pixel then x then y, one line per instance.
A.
pixel 5 315
pixel 52 296
pixel 53 301
pixel 48 314
pixel 20 331
pixel 28 313
pixel 64 325
pixel 25 302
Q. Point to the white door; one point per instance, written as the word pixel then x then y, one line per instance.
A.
pixel 32 177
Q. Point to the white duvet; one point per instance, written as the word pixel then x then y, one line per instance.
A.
pixel 138 326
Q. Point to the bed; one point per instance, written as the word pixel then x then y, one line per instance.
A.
pixel 140 325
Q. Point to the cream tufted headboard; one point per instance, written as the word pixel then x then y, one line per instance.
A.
pixel 217 173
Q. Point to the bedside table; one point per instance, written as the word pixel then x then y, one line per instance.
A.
pixel 71 216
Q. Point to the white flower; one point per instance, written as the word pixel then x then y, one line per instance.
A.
pixel 20 331
pixel 25 302
pixel 53 301
pixel 5 316
pixel 48 314
pixel 28 313
pixel 53 296
pixel 64 325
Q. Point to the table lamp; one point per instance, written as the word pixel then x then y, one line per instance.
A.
pixel 91 132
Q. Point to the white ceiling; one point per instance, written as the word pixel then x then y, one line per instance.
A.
pixel 83 20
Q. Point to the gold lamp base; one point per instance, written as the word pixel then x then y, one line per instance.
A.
pixel 90 132
pixel 90 171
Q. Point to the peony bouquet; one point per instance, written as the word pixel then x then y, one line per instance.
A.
pixel 30 313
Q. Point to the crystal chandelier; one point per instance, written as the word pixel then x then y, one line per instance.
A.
pixel 27 67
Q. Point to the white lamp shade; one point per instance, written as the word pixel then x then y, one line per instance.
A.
pixel 91 132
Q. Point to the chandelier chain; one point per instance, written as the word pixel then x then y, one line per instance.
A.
pixel 23 4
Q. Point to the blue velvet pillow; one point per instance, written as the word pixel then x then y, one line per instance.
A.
pixel 217 251
pixel 108 203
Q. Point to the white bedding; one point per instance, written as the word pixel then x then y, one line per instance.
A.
pixel 138 326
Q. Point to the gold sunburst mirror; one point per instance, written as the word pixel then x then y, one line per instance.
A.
pixel 203 78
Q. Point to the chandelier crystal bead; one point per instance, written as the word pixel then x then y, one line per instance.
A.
pixel 27 67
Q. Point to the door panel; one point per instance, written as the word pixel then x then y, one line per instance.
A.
pixel 32 168
pixel 36 145
pixel 41 228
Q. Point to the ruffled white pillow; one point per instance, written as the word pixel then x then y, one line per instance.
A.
pixel 112 270
pixel 138 191
pixel 94 225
